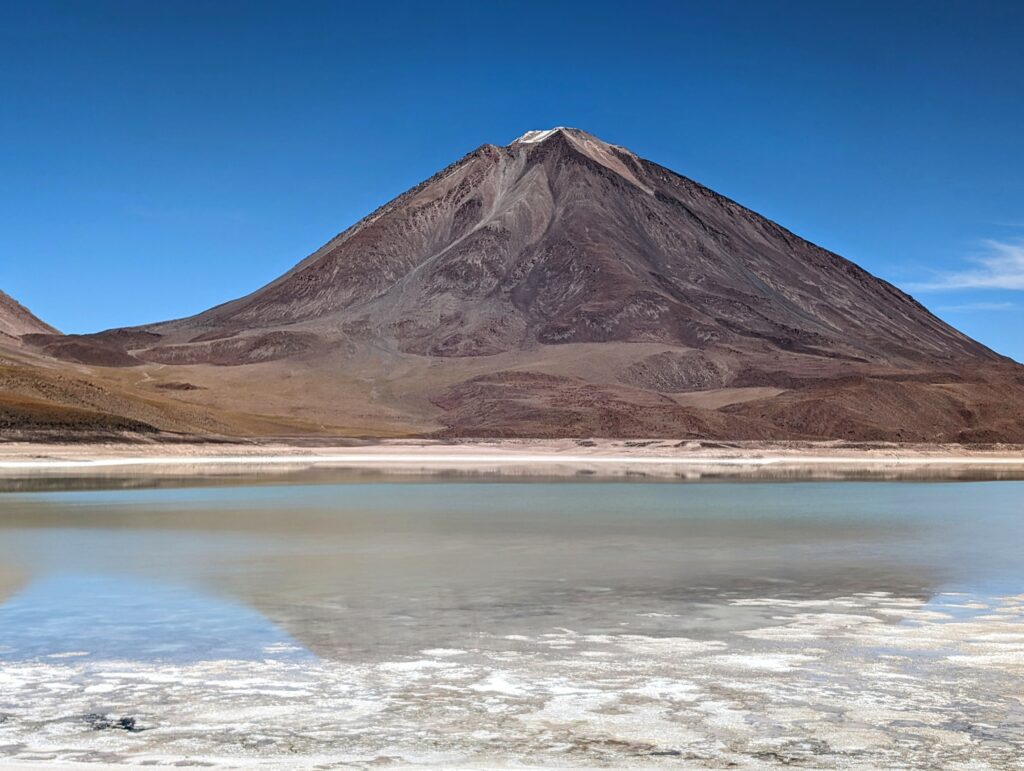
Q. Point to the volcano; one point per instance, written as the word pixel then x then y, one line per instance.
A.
pixel 564 286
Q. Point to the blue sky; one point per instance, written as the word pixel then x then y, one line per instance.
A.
pixel 157 158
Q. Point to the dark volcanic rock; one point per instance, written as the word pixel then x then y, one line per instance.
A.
pixel 99 722
pixel 248 349
pixel 83 349
pixel 178 386
pixel 104 349
pixel 672 371
pixel 532 404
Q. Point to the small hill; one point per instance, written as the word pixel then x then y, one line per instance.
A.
pixel 17 320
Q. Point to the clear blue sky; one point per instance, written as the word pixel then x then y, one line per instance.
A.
pixel 157 158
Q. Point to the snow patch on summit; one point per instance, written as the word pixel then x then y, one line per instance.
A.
pixel 608 155
pixel 538 135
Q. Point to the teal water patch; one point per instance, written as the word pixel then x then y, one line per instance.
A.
pixel 125 618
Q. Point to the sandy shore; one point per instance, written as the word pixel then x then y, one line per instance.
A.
pixel 563 456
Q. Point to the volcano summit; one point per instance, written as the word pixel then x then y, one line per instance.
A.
pixel 564 286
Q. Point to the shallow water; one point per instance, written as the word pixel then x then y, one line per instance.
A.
pixel 824 625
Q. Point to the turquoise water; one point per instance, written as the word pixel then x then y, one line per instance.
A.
pixel 836 625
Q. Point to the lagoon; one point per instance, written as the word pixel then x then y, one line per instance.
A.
pixel 493 622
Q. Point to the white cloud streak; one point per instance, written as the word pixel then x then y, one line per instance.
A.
pixel 1000 267
pixel 977 307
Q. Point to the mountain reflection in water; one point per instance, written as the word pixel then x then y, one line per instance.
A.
pixel 124 618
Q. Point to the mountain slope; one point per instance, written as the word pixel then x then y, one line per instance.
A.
pixel 562 285
pixel 45 397
pixel 17 320
pixel 560 237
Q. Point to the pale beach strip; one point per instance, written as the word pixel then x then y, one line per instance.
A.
pixel 381 457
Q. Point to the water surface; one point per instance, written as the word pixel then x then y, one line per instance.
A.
pixel 827 625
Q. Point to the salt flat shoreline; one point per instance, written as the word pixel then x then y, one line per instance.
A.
pixel 561 456
pixel 238 764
